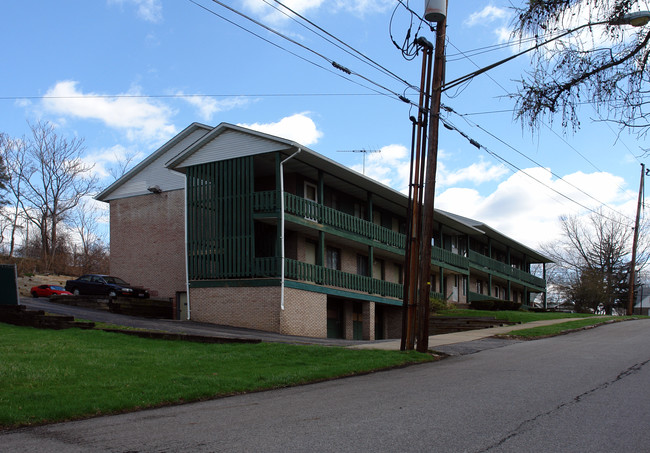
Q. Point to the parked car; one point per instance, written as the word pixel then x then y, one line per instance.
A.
pixel 49 290
pixel 104 285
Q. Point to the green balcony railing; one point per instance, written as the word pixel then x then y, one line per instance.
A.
pixel 493 265
pixel 298 270
pixel 447 257
pixel 269 201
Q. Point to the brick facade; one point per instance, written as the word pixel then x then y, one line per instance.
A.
pixel 305 313
pixel 148 241
pixel 250 307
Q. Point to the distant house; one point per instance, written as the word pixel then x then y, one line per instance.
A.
pixel 246 229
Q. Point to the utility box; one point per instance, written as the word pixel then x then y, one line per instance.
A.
pixel 9 285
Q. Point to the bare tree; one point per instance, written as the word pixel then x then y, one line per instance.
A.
pixel 122 164
pixel 4 177
pixel 14 153
pixel 592 261
pixel 613 76
pixel 54 179
pixel 86 225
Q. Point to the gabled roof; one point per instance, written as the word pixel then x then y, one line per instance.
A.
pixel 227 141
pixel 103 195
pixel 486 230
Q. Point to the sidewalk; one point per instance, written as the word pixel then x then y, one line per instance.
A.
pixel 462 337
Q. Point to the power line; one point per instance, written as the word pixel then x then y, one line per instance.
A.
pixel 181 96
pixel 309 49
pixel 359 55
pixel 452 127
pixel 560 178
pixel 283 48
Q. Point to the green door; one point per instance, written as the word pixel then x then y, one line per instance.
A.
pixel 357 321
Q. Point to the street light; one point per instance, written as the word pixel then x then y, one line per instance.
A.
pixel 422 277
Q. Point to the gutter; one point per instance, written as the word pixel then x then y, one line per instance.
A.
pixel 282 227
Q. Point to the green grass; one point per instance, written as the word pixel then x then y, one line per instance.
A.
pixel 557 329
pixel 49 376
pixel 514 316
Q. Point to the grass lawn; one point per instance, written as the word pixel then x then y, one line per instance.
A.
pixel 50 375
pixel 514 316
pixel 556 329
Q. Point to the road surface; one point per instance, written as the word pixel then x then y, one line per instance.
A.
pixel 586 391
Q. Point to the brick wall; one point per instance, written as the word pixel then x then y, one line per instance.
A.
pixel 305 313
pixel 253 307
pixel 393 321
pixel 147 241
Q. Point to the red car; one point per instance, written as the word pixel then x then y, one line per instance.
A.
pixel 49 290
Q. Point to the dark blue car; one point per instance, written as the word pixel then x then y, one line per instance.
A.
pixel 104 285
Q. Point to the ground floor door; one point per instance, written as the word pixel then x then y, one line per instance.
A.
pixel 181 305
pixel 334 319
pixel 357 321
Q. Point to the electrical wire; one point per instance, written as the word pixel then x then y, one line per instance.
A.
pixel 359 55
pixel 293 41
pixel 502 159
pixel 182 96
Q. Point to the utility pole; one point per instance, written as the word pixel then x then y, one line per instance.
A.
pixel 635 240
pixel 414 222
pixel 430 188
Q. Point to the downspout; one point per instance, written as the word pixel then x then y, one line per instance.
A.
pixel 187 270
pixel 282 227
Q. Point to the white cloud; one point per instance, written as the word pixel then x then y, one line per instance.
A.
pixel 390 166
pixel 103 160
pixel 487 15
pixel 299 128
pixel 309 7
pixel 528 211
pixel 139 118
pixel 149 10
pixel 272 15
pixel 477 173
pixel 208 106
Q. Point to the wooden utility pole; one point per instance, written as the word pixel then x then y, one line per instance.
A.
pixel 414 223
pixel 429 190
pixel 635 240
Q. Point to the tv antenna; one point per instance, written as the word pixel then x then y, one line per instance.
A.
pixel 364 151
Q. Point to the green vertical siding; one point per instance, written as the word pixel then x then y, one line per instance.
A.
pixel 220 219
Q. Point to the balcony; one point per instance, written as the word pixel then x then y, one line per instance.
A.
pixel 298 270
pixel 269 202
pixel 491 265
pixel 311 210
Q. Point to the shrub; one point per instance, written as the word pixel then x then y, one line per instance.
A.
pixel 482 305
pixel 436 304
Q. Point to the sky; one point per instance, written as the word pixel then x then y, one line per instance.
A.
pixel 127 75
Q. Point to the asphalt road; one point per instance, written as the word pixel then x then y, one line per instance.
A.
pixel 586 391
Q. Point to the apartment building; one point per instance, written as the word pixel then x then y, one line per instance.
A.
pixel 246 229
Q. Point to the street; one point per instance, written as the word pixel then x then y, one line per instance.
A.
pixel 586 391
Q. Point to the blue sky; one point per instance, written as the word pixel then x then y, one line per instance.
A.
pixel 120 74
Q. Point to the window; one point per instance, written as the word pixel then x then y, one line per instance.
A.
pixel 464 285
pixel 310 252
pixel 333 260
pixel 379 269
pixel 496 292
pixel 359 211
pixel 362 265
pixel 311 194
pixel 479 287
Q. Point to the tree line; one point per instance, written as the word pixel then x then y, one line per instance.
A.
pixel 47 213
